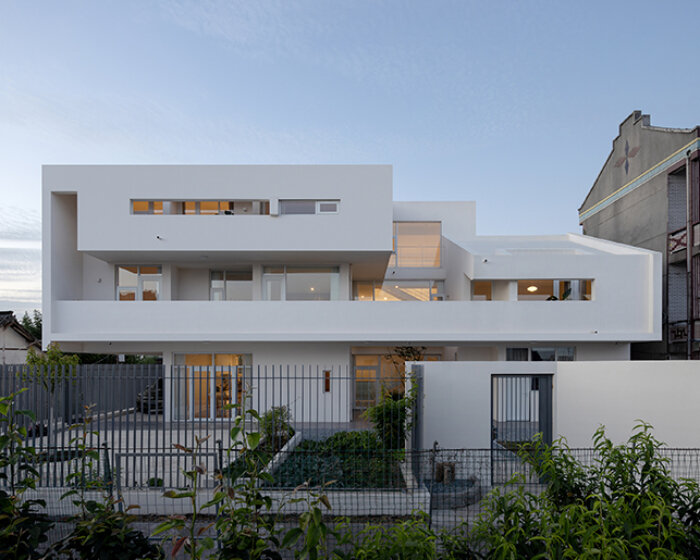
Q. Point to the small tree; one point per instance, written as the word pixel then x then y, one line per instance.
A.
pixel 50 367
pixel 22 527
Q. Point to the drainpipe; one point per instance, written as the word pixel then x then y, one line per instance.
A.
pixel 688 258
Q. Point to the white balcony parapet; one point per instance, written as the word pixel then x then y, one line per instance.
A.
pixel 353 321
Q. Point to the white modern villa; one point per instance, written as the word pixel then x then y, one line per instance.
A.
pixel 216 266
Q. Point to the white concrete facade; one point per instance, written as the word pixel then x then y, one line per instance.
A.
pixel 91 228
pixel 457 405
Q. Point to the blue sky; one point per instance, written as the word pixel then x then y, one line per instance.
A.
pixel 511 104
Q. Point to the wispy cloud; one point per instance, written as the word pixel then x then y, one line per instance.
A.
pixel 20 259
pixel 20 277
pixel 19 224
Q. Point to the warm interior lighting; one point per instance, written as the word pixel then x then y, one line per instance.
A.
pixel 312 289
pixel 532 288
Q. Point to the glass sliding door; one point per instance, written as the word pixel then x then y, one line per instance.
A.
pixel 366 382
pixel 294 283
pixel 213 383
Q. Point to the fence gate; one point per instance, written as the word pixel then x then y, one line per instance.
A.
pixel 521 406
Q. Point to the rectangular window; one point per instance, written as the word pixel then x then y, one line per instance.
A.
pixel 535 290
pixel 482 290
pixel 517 354
pixel 140 207
pixel 554 290
pixel 541 354
pixel 327 207
pixel 201 207
pixel 138 283
pixel 416 245
pixel 209 207
pixel 326 381
pixel 544 355
pixel 231 285
pixel 309 206
pixel 586 290
pixel 293 283
pixel 146 206
pixel 400 290
pixel 297 206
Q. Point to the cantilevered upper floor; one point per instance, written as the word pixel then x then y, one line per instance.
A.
pixel 316 253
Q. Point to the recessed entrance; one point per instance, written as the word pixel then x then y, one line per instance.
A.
pixel 212 382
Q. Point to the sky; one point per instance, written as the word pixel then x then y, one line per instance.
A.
pixel 512 104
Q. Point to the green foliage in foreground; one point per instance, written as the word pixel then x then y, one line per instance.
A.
pixel 625 505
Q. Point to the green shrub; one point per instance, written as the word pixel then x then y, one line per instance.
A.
pixel 23 527
pixel 361 440
pixel 344 460
pixel 100 530
pixel 409 540
pixel 391 417
pixel 276 428
pixel 106 533
pixel 626 505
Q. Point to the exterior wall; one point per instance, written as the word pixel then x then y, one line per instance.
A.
pixel 618 394
pixel 82 249
pixel 459 270
pixel 639 198
pixel 458 218
pixel 13 347
pixel 282 374
pixel 457 406
pixel 356 321
pixel 192 284
pixel 598 352
pixel 456 409
pixel 364 192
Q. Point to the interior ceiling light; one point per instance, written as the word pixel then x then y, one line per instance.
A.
pixel 532 288
pixel 312 289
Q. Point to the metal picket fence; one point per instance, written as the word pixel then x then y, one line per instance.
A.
pixel 139 413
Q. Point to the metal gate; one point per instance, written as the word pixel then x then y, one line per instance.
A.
pixel 521 407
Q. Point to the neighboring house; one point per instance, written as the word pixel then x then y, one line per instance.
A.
pixel 645 196
pixel 15 340
pixel 219 266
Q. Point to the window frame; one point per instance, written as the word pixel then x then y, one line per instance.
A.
pixel 225 279
pixel 558 351
pixel 576 292
pixel 394 260
pixel 283 277
pixel 439 286
pixel 139 281
pixel 317 203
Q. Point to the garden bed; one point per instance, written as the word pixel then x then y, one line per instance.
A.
pixel 345 460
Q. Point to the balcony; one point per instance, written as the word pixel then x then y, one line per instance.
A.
pixel 350 321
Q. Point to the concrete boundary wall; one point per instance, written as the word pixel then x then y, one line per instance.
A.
pixel 456 408
pixel 616 394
